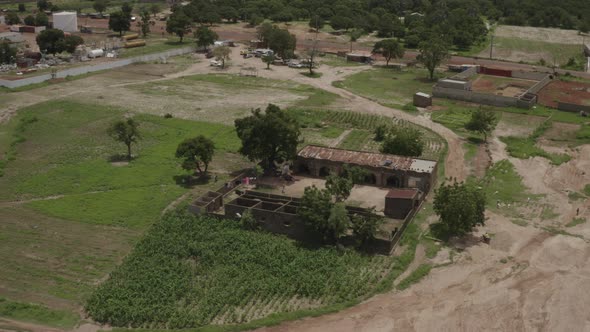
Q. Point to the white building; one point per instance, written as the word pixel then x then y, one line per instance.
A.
pixel 65 21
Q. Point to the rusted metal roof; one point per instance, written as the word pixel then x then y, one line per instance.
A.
pixel 407 193
pixel 363 158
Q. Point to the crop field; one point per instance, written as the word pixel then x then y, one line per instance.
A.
pixel 188 272
pixel 361 135
pixel 388 86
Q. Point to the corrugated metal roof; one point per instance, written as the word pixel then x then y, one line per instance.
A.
pixel 363 158
pixel 408 193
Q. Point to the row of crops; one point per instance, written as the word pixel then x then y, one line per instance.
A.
pixel 361 137
pixel 191 271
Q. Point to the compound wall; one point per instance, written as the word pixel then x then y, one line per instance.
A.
pixel 92 68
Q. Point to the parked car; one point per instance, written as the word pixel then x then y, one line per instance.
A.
pixel 215 63
pixel 294 64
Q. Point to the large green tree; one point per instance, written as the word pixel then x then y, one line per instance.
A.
pixel 404 141
pixel 125 131
pixel 205 37
pixel 145 22
pixel 12 18
pixel 460 207
pixel 340 185
pixel 321 215
pixel 119 22
pixel 196 153
pixel 389 48
pixel 7 52
pixel 282 42
pixel 432 52
pixel 482 121
pixel 71 42
pixel 268 136
pixel 51 41
pixel 365 226
pixel 100 5
pixel 41 19
pixel 178 23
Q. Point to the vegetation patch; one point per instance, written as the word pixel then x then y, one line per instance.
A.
pixel 417 275
pixel 503 186
pixel 69 154
pixel 587 190
pixel 525 147
pixel 189 272
pixel 575 222
pixel 388 86
pixel 35 313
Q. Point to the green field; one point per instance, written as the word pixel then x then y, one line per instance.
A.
pixel 189 272
pixel 66 153
pixel 560 53
pixel 387 86
pixel 362 126
pixel 68 215
pixel 41 314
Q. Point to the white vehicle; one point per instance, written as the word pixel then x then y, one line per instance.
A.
pixel 296 65
pixel 215 63
pixel 133 18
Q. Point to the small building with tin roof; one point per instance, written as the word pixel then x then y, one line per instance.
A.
pixel 383 170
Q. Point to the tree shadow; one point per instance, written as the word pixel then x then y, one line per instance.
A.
pixel 117 158
pixel 475 140
pixel 439 231
pixel 189 181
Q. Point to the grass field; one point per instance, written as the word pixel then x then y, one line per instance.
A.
pixel 389 87
pixel 37 314
pixel 66 152
pixel 67 214
pixel 156 45
pixel 214 272
pixel 525 147
pixel 532 51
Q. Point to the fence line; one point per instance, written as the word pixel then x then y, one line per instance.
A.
pixel 92 68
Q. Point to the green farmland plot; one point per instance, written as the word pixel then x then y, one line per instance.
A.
pixel 189 271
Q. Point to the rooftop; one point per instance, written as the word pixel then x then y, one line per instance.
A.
pixel 363 158
pixel 407 193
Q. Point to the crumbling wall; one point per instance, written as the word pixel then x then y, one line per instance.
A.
pixel 574 108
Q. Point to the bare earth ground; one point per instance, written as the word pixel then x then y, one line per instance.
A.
pixel 526 279
pixel 549 35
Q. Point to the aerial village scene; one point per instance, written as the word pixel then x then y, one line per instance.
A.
pixel 306 165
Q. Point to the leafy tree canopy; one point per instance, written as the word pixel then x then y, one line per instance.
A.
pixel 460 207
pixel 119 22
pixel 205 36
pixel 268 137
pixel 125 131
pixel 196 153
pixel 389 48
pixel 405 141
pixel 178 23
pixel 482 121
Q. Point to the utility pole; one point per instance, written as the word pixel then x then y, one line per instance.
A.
pixel 492 47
